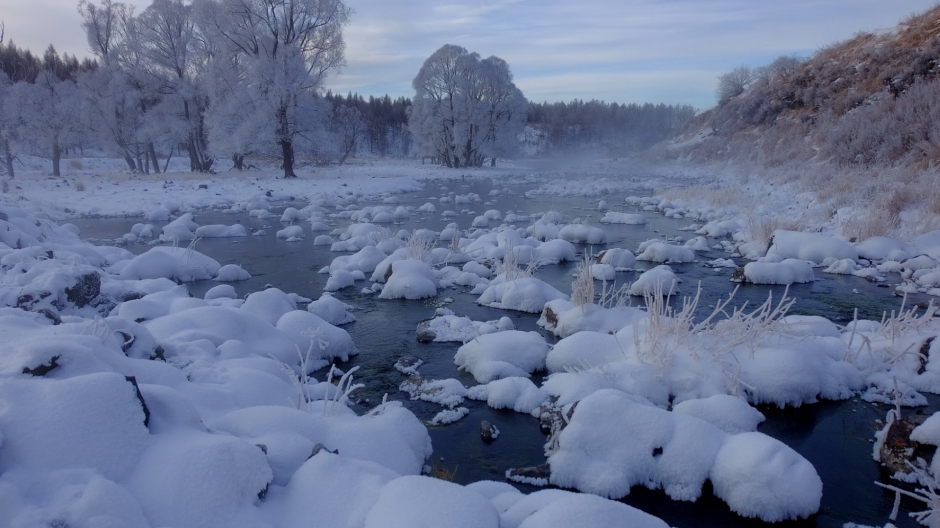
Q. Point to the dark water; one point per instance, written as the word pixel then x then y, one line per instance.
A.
pixel 835 436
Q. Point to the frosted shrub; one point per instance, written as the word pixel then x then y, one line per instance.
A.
pixel 509 268
pixel 419 247
pixel 582 288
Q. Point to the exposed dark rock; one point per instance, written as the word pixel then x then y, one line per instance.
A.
pixel 51 315
pixel 424 333
pixel 531 474
pixel 488 431
pixel 44 369
pixel 320 447
pixel 203 186
pixel 87 288
pixel 738 275
pixel 140 398
pixel 128 341
pixel 130 296
pixel 925 354
pixel 264 448
pixel 898 449
pixel 388 272
pixel 600 256
pixel 550 316
pixel 158 354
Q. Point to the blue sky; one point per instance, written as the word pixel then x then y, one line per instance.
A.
pixel 617 50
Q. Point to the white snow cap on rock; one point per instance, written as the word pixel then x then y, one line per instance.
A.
pixel 813 247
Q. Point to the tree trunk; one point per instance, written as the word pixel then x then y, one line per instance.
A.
pixel 168 157
pixel 56 158
pixel 130 162
pixel 239 161
pixel 140 162
pixel 287 151
pixel 153 156
pixel 8 157
pixel 194 164
pixel 493 161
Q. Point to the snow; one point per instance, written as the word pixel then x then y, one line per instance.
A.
pixel 448 327
pixel 813 247
pixel 728 413
pixel 761 477
pixel 516 393
pixel 789 271
pixel 582 234
pixel 659 279
pixel 502 355
pixel 662 252
pixel 424 502
pixel 612 217
pixel 232 273
pixel 221 231
pixel 448 416
pixel 90 421
pixel 526 294
pixel 559 509
pixel 177 263
pixel 621 259
pixel 331 310
pixel 410 279
pixel 604 450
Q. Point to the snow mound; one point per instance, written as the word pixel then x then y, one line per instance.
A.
pixel 790 271
pixel 410 279
pixel 662 252
pixel 502 355
pixel 232 273
pixel 612 443
pixel 416 501
pixel 185 265
pixel 331 310
pixel 582 234
pixel 526 294
pixel 611 217
pixel 813 247
pixel 661 278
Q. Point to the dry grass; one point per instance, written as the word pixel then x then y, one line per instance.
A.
pixel 439 471
pixel 762 227
pixel 76 164
pixel 79 185
pixel 582 288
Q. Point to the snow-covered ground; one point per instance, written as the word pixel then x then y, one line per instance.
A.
pixel 126 402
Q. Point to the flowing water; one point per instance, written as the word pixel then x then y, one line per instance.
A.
pixel 835 436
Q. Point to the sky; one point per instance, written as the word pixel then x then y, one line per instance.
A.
pixel 625 51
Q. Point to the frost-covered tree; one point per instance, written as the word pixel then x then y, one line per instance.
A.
pixel 465 109
pixel 173 58
pixel 283 50
pixel 6 128
pixel 734 83
pixel 350 129
pixel 114 101
pixel 46 115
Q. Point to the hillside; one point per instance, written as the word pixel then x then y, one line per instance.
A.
pixel 856 123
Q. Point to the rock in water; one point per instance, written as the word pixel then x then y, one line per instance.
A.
pixel 424 333
pixel 898 449
pixel 488 431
